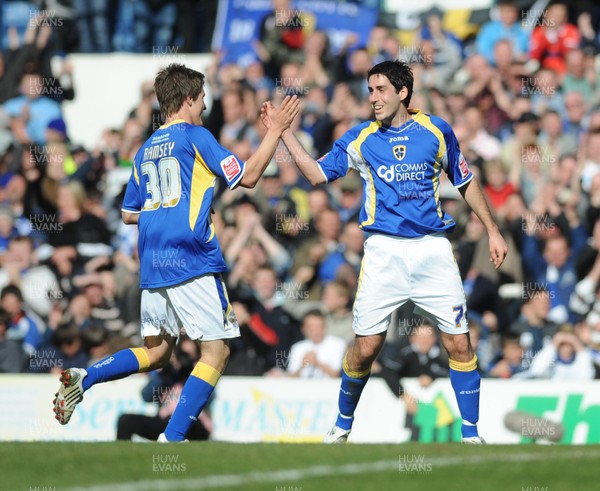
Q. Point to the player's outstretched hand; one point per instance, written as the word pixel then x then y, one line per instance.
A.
pixel 498 249
pixel 280 118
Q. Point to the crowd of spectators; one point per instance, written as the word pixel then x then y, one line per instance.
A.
pixel 522 97
pixel 103 26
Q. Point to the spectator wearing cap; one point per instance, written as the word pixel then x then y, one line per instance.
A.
pixel 508 25
pixel 31 112
pixel 56 131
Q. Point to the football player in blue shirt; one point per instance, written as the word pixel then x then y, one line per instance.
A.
pixel 169 197
pixel 400 156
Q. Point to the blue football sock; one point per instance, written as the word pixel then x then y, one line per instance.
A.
pixel 194 396
pixel 352 386
pixel 116 366
pixel 466 381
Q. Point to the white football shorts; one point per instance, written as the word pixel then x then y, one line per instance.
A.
pixel 200 306
pixel 395 270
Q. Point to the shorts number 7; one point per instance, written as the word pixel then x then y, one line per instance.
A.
pixel 460 311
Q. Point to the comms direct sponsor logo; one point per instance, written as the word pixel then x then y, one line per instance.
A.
pixel 402 172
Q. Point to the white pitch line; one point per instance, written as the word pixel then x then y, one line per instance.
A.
pixel 230 480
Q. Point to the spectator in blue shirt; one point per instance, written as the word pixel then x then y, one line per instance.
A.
pixel 31 112
pixel 550 262
pixel 506 27
pixel 24 325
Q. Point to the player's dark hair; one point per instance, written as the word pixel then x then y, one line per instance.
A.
pixel 398 73
pixel 174 84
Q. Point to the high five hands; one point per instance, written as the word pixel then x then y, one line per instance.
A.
pixel 281 117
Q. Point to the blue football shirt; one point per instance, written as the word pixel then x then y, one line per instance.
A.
pixel 172 186
pixel 400 168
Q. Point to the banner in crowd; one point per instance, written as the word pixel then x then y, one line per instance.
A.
pixel 239 21
pixel 255 409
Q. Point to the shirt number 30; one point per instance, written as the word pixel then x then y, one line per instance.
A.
pixel 163 186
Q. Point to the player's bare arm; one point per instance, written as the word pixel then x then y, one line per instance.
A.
pixel 280 122
pixel 471 192
pixel 130 218
pixel 306 164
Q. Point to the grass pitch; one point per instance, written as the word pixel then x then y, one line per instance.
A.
pixel 125 466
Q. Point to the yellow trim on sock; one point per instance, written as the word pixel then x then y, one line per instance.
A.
pixel 351 373
pixel 461 366
pixel 142 357
pixel 207 373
